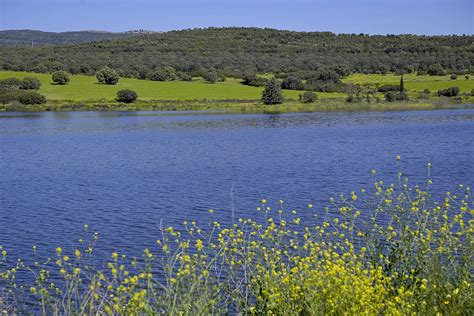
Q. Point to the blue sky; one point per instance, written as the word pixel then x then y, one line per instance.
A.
pixel 340 16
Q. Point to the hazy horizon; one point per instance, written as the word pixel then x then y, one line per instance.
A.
pixel 422 17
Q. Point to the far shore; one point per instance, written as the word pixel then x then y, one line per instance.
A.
pixel 238 106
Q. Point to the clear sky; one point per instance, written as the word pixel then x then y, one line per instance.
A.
pixel 340 16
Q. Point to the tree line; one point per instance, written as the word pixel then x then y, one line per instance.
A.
pixel 242 52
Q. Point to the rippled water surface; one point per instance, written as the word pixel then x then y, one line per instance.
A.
pixel 124 173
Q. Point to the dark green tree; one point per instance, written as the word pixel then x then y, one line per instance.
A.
pixel 31 97
pixel 272 92
pixel 126 96
pixel 107 75
pixel 30 83
pixel 402 85
pixel 211 76
pixel 292 83
pixel 449 92
pixel 60 77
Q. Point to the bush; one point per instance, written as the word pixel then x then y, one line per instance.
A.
pixel 467 77
pixel 30 83
pixel 60 77
pixel 126 96
pixel 292 83
pixel 436 70
pixel 449 92
pixel 31 97
pixel 453 77
pixel 107 76
pixel 396 96
pixel 272 93
pixel 185 77
pixel 211 77
pixel 163 74
pixel 254 81
pixel 308 97
pixel 10 84
pixel 388 87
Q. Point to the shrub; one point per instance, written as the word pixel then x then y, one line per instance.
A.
pixel 396 96
pixel 449 92
pixel 436 70
pixel 31 97
pixel 254 81
pixel 107 76
pixel 388 87
pixel 30 83
pixel 185 77
pixel 211 77
pixel 308 97
pixel 163 74
pixel 9 96
pixel 60 77
pixel 292 83
pixel 272 92
pixel 467 77
pixel 453 77
pixel 10 84
pixel 126 96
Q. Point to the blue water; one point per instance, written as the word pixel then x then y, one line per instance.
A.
pixel 124 173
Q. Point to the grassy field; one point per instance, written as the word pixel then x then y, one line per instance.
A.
pixel 414 82
pixel 84 93
pixel 84 88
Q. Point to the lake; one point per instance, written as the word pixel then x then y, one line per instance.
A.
pixel 124 173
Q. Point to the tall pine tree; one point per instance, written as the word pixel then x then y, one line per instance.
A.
pixel 402 85
pixel 272 93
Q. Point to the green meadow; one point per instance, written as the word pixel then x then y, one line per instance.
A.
pixel 85 88
pixel 85 93
pixel 415 83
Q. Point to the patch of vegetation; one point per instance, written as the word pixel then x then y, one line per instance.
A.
pixel 126 96
pixel 30 83
pixel 449 92
pixel 308 97
pixel 236 51
pixel 396 96
pixel 107 75
pixel 60 77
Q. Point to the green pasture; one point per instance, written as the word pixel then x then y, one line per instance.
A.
pixel 413 82
pixel 85 88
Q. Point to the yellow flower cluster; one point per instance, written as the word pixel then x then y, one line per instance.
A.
pixel 391 251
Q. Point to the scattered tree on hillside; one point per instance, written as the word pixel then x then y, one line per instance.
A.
pixel 211 77
pixel 126 96
pixel 292 83
pixel 107 75
pixel 30 83
pixel 60 77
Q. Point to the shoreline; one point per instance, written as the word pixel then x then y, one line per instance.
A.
pixel 238 106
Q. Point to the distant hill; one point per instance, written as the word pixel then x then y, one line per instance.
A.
pixel 38 38
pixel 238 51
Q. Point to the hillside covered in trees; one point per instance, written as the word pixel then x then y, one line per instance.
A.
pixel 239 51
pixel 39 38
